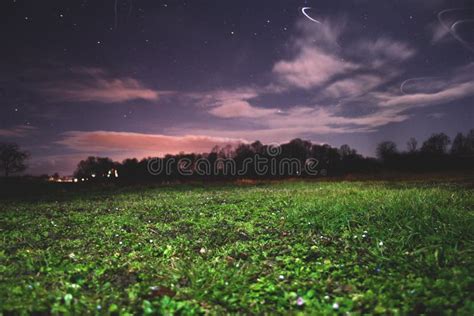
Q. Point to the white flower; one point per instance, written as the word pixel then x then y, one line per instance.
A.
pixel 202 251
pixel 381 243
pixel 335 306
pixel 300 301
pixel 281 277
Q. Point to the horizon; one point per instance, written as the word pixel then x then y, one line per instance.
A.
pixel 136 79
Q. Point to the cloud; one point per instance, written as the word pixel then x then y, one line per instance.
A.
pixel 438 32
pixel 315 58
pixel 17 131
pixel 305 121
pixel 428 91
pixel 451 93
pixel 310 68
pixel 139 144
pixel 318 58
pixel 436 115
pixel 353 86
pixel 95 85
pixel 381 52
pixel 232 103
pixel 239 108
pixel 380 107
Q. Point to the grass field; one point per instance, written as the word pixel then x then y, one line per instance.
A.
pixel 309 247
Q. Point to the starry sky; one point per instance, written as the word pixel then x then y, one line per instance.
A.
pixel 138 78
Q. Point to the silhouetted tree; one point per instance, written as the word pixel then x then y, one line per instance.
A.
pixel 347 152
pixel 95 167
pixel 386 150
pixel 437 144
pixel 130 169
pixel 463 145
pixel 12 158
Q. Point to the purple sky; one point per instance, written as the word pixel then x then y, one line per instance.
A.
pixel 137 78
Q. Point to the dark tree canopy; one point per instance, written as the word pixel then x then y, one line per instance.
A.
pixel 437 144
pixel 386 150
pixel 95 167
pixel 12 158
pixel 463 145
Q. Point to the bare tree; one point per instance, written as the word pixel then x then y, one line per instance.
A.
pixel 12 159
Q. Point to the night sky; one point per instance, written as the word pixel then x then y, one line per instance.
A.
pixel 137 78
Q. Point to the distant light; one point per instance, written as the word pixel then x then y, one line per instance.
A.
pixel 93 175
pixel 83 179
pixel 76 180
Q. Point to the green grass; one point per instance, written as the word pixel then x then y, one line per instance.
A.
pixel 308 247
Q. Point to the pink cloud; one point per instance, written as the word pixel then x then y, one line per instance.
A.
pixel 92 84
pixel 141 145
pixel 17 131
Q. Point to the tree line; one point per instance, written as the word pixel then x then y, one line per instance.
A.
pixel 258 160
pixel 437 153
